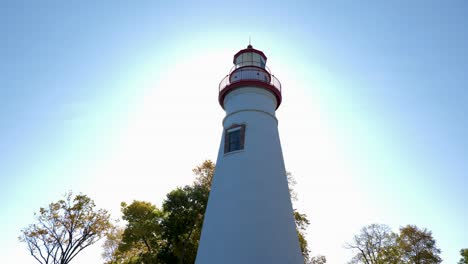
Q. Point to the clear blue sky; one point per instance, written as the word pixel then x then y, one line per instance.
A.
pixel 98 97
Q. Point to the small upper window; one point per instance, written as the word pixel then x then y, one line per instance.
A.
pixel 234 138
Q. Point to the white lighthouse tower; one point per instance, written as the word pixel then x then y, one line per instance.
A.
pixel 249 217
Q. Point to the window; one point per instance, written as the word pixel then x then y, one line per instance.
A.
pixel 234 138
pixel 248 58
pixel 257 60
pixel 262 63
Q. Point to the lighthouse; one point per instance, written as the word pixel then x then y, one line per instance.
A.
pixel 249 216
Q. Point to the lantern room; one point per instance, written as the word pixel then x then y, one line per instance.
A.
pixel 250 70
pixel 250 57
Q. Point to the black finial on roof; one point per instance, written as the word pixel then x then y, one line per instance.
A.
pixel 250 45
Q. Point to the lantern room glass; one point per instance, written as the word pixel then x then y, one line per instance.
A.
pixel 250 59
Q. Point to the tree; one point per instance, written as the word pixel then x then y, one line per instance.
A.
pixel 111 244
pixel 378 244
pixel 140 242
pixel 464 254
pixel 64 229
pixel 373 245
pixel 291 182
pixel 171 234
pixel 417 246
pixel 175 228
pixel 112 254
pixel 185 209
pixel 204 174
pixel 301 225
pixel 301 221
pixel 318 260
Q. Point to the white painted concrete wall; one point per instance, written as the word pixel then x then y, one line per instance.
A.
pixel 249 218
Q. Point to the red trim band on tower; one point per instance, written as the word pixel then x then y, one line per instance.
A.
pixel 249 83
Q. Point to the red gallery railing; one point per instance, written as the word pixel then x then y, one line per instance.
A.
pixel 247 73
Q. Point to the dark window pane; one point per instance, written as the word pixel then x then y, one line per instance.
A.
pixel 234 140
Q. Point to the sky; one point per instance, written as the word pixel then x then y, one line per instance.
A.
pixel 118 100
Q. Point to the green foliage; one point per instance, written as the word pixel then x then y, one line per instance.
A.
pixel 371 244
pixel 377 244
pixel 301 225
pixel 301 221
pixel 204 173
pixel 143 229
pixel 64 229
pixel 464 254
pixel 171 234
pixel 110 246
pixel 166 235
pixel 185 209
pixel 417 246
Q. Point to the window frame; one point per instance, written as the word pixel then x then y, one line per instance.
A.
pixel 227 133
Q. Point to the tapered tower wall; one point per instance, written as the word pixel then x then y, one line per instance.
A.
pixel 249 217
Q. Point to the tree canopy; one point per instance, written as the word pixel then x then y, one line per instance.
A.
pixel 171 234
pixel 64 229
pixel 377 244
pixel 464 254
pixel 166 235
pixel 417 246
pixel 372 243
pixel 318 260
